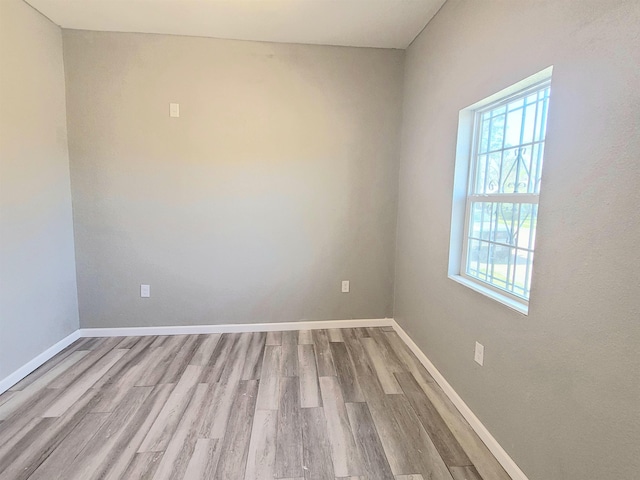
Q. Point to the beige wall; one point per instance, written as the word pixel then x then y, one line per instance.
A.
pixel 38 301
pixel 278 180
pixel 560 388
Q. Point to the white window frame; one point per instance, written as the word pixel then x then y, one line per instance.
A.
pixel 465 171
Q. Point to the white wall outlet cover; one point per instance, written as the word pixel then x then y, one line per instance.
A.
pixel 479 354
pixel 174 109
pixel 345 286
pixel 145 291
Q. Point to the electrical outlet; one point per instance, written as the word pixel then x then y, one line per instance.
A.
pixel 479 354
pixel 145 291
pixel 345 286
pixel 174 110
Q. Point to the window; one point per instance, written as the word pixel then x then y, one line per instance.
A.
pixel 503 165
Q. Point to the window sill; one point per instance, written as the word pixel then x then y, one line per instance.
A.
pixel 519 307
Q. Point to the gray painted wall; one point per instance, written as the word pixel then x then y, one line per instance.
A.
pixel 38 299
pixel 560 388
pixel 278 180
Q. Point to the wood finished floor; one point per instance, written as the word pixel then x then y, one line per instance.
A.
pixel 324 404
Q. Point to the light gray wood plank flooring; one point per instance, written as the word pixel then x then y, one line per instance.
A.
pixel 299 405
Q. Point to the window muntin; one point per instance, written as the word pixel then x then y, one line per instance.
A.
pixel 504 186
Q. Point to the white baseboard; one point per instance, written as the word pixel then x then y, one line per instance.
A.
pixel 501 455
pixel 8 382
pixel 492 444
pixel 15 377
pixel 235 328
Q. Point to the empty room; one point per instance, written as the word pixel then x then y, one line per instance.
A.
pixel 319 239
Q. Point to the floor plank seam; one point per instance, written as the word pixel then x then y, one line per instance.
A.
pixel 319 404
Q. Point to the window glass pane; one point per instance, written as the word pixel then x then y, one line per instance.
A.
pixel 516 104
pixel 533 98
pixel 529 272
pixel 513 137
pixel 541 119
pixel 515 173
pixel 514 128
pixel 535 168
pixel 484 136
pixel 520 273
pixel 507 162
pixel 500 245
pixel 529 123
pixel 481 172
pixel 527 226
pixel 474 258
pixel 496 133
pixel 493 173
pixel 498 111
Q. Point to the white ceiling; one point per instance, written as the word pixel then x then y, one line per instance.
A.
pixel 360 23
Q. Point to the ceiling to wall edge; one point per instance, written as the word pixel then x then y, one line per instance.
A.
pixel 438 3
